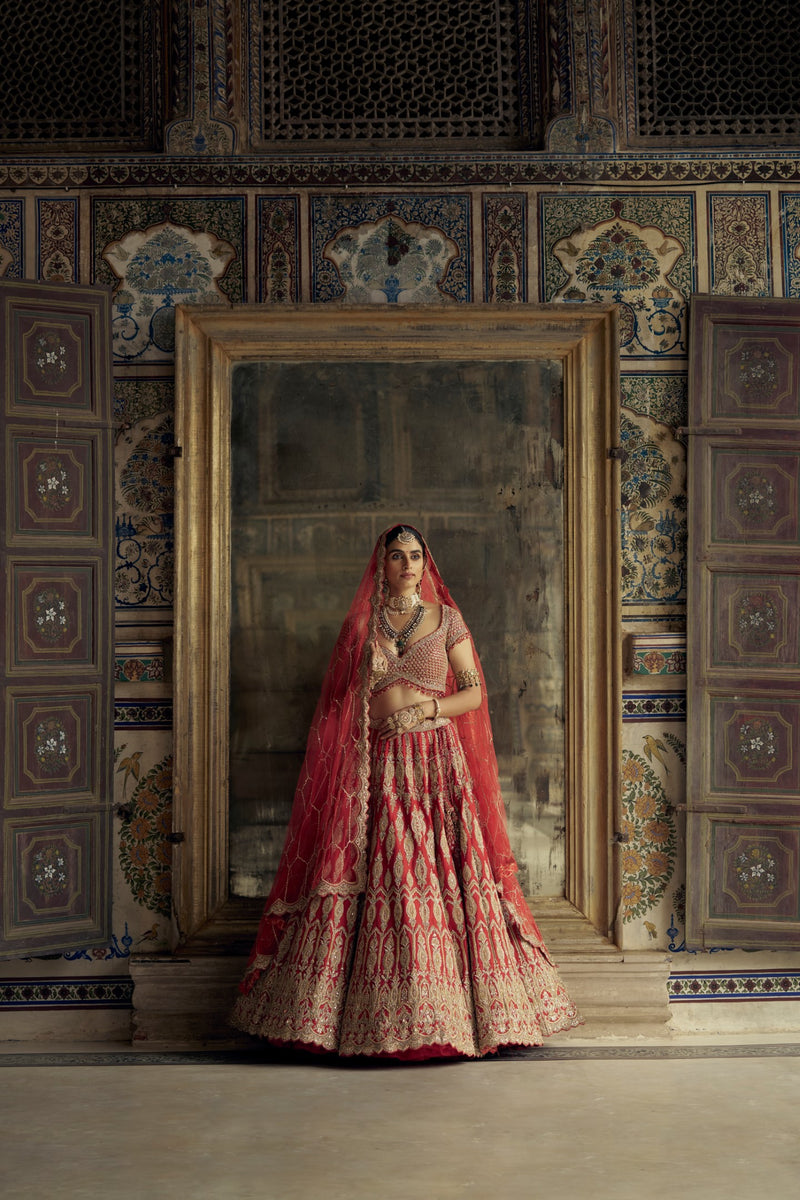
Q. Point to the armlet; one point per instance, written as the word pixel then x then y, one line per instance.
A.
pixel 467 679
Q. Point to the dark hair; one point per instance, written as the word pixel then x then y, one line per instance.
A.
pixel 398 529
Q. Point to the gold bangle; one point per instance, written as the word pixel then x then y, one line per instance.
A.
pixel 435 709
pixel 467 679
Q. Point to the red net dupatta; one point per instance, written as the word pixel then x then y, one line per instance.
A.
pixel 326 840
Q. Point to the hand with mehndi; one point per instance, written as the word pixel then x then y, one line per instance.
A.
pixel 401 721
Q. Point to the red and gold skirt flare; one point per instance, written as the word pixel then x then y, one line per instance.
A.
pixel 430 960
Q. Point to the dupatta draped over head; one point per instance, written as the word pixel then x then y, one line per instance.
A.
pixel 327 838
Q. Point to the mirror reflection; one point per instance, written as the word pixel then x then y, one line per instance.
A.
pixel 325 456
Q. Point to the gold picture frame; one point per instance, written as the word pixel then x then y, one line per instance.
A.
pixel 210 343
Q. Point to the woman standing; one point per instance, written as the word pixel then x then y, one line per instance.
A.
pixel 396 925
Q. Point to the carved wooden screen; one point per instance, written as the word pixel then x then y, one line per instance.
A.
pixel 56 721
pixel 743 830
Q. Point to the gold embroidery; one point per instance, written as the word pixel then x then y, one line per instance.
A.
pixel 424 960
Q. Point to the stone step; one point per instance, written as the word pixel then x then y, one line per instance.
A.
pixel 185 1001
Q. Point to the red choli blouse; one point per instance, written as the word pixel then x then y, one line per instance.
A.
pixel 423 667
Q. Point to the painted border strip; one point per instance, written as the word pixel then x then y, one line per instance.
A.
pixel 113 991
pixel 139 662
pixel 654 706
pixel 143 714
pixel 657 653
pixel 734 985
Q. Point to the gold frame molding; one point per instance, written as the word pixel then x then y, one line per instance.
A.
pixel 210 342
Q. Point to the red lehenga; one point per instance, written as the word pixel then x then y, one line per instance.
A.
pixel 396 925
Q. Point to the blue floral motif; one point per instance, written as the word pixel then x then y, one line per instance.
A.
pixel 145 526
pixel 166 268
pixel 168 265
pixel 145 561
pixel 653 538
pixel 677 920
pixel 116 948
pixel 159 254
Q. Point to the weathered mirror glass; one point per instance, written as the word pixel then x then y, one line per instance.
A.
pixel 322 457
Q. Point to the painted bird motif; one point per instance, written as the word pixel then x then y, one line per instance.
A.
pixel 651 929
pixel 151 935
pixel 653 748
pixel 130 766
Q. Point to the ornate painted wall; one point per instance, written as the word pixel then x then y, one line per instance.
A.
pixel 574 224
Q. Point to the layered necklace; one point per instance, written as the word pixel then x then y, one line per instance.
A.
pixel 401 604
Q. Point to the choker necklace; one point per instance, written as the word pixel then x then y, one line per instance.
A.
pixel 404 603
pixel 401 637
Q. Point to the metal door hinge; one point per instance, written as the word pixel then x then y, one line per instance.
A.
pixel 176 838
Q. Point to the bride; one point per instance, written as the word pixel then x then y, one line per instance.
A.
pixel 396 925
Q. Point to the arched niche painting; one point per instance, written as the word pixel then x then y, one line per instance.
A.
pixel 304 433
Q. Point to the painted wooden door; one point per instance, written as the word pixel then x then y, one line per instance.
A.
pixel 743 782
pixel 56 722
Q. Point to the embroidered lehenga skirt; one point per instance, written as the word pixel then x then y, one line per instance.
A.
pixel 429 960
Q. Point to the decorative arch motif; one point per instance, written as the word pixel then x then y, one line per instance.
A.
pixel 157 268
pixel 391 261
pixel 631 263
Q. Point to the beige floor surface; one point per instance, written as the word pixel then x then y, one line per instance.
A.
pixel 650 1129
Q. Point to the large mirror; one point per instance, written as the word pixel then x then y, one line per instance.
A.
pixel 306 432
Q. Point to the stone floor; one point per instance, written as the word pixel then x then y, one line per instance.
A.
pixel 583 1121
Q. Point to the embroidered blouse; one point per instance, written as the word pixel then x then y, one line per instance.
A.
pixel 424 664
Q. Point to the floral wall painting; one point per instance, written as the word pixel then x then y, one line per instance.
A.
pixel 656 654
pixel 157 268
pixel 504 238
pixel 137 399
pixel 400 249
pixel 628 251
pixel 739 245
pixel 664 396
pixel 140 662
pixel 144 523
pixel 57 239
pixel 277 221
pixel 653 513
pixel 789 203
pixel 391 262
pixel 651 848
pixel 145 853
pixel 157 252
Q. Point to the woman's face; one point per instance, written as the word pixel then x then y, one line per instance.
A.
pixel 404 565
